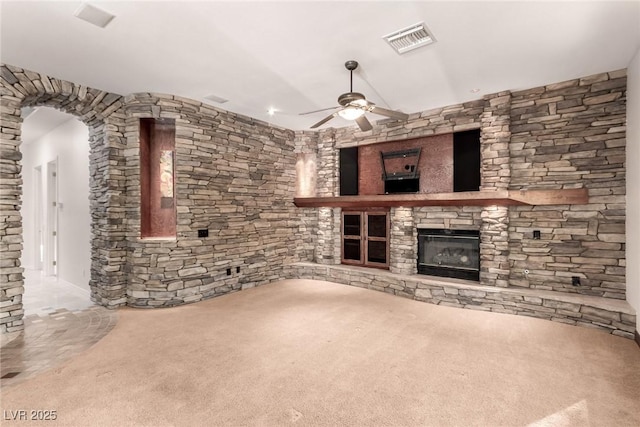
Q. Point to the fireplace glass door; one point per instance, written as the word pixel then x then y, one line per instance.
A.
pixel 449 253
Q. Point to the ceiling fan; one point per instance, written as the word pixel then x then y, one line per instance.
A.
pixel 353 105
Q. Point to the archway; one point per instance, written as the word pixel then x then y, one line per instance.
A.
pixel 56 222
pixel 101 112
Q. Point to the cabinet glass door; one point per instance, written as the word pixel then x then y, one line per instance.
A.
pixel 377 239
pixel 352 238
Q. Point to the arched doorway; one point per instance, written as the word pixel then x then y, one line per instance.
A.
pixel 56 222
pixel 101 112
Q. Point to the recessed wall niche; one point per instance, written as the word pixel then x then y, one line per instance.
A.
pixel 306 175
pixel 157 175
pixel 443 163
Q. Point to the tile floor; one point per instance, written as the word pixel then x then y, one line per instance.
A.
pixel 44 294
pixel 60 322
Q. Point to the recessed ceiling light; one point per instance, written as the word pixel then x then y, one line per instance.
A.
pixel 409 38
pixel 271 111
pixel 93 15
pixel 217 99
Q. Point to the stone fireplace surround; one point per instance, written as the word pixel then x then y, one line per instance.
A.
pixel 560 136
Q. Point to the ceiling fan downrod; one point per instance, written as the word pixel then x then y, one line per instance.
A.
pixel 351 65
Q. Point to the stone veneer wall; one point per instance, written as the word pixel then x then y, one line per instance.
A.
pixel 606 314
pixel 571 135
pixel 234 175
pixel 101 112
pixel 564 135
pixel 490 115
pixel 306 145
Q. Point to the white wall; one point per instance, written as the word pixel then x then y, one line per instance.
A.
pixel 69 144
pixel 633 185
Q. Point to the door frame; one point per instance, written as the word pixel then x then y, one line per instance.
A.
pixel 51 236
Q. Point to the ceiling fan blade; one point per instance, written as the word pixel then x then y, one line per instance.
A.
pixel 323 121
pixel 389 113
pixel 364 124
pixel 317 111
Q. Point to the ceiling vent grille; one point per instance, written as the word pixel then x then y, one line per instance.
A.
pixel 93 15
pixel 409 38
pixel 217 99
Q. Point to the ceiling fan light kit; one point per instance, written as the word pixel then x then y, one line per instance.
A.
pixel 351 113
pixel 355 105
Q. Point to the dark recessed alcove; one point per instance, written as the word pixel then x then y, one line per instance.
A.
pixel 349 171
pixel 466 161
pixel 411 185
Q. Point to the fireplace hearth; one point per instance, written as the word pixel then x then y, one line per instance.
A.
pixel 449 253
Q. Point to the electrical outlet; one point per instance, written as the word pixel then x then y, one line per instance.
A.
pixel 228 272
pixel 203 233
pixel 575 280
pixel 237 269
pixel 536 234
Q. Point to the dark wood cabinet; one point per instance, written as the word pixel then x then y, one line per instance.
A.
pixel 365 238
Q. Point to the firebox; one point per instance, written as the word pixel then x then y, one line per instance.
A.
pixel 449 253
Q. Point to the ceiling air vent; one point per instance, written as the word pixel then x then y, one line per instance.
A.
pixel 217 99
pixel 409 38
pixel 93 15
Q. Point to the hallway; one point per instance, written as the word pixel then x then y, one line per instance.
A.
pixel 45 294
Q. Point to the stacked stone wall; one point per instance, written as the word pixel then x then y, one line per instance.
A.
pixel 403 241
pixel 235 176
pixel 455 118
pixel 101 112
pixel 570 135
pixel 608 315
pixel 563 135
pixel 306 143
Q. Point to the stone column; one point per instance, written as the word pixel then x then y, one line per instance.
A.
pixel 495 135
pixel 108 208
pixel 404 242
pixel 494 246
pixel 11 280
pixel 329 219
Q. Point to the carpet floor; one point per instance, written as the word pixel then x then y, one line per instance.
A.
pixel 316 353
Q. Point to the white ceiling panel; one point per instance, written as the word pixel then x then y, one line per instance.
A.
pixel 290 55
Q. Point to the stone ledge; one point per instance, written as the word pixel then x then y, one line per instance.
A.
pixel 616 317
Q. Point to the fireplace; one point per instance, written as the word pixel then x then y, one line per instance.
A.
pixel 449 253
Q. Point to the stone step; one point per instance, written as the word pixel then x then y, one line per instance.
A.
pixel 614 316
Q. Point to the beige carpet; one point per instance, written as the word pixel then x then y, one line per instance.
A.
pixel 315 353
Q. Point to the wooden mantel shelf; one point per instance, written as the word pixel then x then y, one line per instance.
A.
pixel 469 198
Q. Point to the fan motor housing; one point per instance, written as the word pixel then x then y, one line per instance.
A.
pixel 349 97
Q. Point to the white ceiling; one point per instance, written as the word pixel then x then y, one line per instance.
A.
pixel 290 55
pixel 40 121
